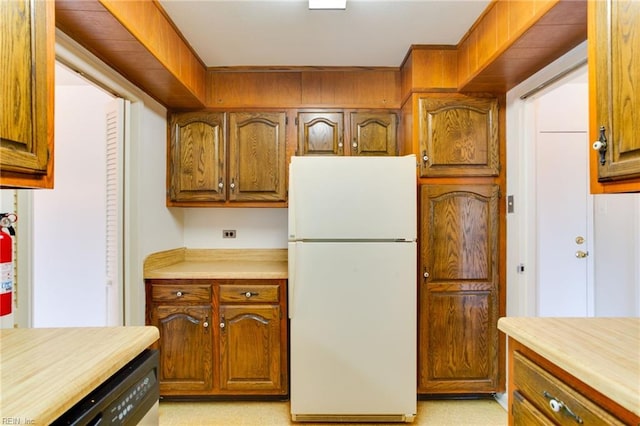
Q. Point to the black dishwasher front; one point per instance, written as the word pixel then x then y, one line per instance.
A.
pixel 129 397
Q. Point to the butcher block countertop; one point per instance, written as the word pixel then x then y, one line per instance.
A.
pixel 604 353
pixel 46 371
pixel 183 263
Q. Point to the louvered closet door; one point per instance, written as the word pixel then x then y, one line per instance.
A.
pixel 115 120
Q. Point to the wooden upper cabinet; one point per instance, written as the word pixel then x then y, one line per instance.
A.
pixel 26 94
pixel 459 290
pixel 458 136
pixel 257 156
pixel 367 133
pixel 614 44
pixel 373 133
pixel 197 157
pixel 320 133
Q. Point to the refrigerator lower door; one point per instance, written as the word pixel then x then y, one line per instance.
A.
pixel 353 331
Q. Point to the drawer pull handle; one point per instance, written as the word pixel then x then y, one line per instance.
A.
pixel 557 406
pixel 249 294
pixel 179 293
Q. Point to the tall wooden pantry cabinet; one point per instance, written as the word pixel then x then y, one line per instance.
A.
pixel 459 283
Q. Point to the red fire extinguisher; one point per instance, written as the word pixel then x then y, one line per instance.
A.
pixel 6 263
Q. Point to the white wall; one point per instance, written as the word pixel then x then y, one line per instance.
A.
pixel 69 234
pixel 255 227
pixel 617 254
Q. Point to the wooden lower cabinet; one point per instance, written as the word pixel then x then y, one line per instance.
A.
pixel 186 348
pixel 542 394
pixel 252 339
pixel 220 337
pixel 458 340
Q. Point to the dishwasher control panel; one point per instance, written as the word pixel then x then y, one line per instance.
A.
pixel 123 399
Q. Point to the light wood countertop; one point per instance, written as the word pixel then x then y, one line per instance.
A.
pixel 186 263
pixel 45 371
pixel 604 353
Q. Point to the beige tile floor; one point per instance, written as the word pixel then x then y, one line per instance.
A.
pixel 485 412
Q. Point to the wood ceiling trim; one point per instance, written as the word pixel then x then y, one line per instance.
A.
pixel 509 43
pixel 147 51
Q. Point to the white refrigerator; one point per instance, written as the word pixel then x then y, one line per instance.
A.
pixel 352 288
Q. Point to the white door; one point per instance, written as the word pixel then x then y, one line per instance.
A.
pixel 564 212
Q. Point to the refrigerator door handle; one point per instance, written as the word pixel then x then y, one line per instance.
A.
pixel 292 278
pixel 292 205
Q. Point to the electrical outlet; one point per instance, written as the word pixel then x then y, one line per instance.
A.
pixel 228 233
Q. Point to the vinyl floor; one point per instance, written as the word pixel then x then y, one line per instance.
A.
pixel 484 412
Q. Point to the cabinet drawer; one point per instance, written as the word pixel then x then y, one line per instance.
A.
pixel 553 398
pixel 181 293
pixel 234 293
pixel 525 414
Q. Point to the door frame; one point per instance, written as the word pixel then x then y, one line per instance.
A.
pixel 521 228
pixel 132 298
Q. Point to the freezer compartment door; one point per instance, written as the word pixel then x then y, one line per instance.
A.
pixel 352 198
pixel 353 329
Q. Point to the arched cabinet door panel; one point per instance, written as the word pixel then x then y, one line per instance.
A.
pixel 458 290
pixel 458 136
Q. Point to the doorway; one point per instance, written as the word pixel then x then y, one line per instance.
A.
pixel 563 208
pixel 541 156
pixel 75 226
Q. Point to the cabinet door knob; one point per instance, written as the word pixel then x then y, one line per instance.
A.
pixel 179 293
pixel 582 254
pixel 232 185
pixel 601 145
pixel 205 324
pixel 220 183
pixel 426 274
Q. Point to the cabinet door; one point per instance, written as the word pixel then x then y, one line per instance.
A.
pixel 26 93
pixel 185 345
pixel 250 348
pixel 320 133
pixel 617 79
pixel 373 133
pixel 257 156
pixel 197 157
pixel 459 136
pixel 458 293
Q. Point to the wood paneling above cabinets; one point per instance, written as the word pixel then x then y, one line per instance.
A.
pixel 429 69
pixel 514 39
pixel 300 88
pixel 139 41
pixel 511 41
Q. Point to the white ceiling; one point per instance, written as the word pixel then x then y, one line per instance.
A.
pixel 369 33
